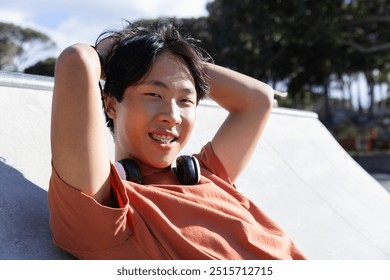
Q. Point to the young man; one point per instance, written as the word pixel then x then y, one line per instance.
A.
pixel 154 80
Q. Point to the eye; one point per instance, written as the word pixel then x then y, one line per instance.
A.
pixel 187 101
pixel 187 98
pixel 152 94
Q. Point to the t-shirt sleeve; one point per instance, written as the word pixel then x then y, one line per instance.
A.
pixel 79 223
pixel 209 161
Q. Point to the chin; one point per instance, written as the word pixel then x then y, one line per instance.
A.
pixel 161 163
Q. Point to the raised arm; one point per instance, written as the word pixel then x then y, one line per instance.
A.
pixel 249 103
pixel 78 134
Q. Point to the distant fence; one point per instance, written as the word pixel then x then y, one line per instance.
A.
pixel 374 163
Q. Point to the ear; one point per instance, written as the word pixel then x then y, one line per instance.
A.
pixel 110 103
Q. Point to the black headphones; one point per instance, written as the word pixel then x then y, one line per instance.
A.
pixel 187 170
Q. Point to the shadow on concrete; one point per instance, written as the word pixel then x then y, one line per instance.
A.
pixel 24 219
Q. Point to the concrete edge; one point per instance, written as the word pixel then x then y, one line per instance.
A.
pixel 21 80
pixel 275 110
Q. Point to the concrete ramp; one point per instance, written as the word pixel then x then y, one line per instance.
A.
pixel 299 175
pixel 25 103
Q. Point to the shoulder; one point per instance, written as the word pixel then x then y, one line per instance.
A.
pixel 209 161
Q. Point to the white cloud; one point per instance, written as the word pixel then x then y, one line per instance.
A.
pixel 14 16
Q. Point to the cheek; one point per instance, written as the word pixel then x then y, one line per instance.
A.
pixel 189 120
pixel 129 120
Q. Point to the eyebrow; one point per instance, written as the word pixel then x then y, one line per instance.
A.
pixel 154 83
pixel 164 85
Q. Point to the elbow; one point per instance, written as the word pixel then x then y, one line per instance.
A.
pixel 77 57
pixel 263 97
pixel 269 96
pixel 70 55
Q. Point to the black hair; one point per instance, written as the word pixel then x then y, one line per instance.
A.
pixel 136 51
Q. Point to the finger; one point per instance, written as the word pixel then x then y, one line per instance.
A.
pixel 281 94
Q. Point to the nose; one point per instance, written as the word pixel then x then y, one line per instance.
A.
pixel 170 113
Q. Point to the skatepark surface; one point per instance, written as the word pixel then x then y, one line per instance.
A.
pixel 299 175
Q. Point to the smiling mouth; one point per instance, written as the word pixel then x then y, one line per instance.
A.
pixel 163 139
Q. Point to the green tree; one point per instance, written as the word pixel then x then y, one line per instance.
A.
pixel 367 37
pixel 16 43
pixel 44 68
pixel 304 44
pixel 276 41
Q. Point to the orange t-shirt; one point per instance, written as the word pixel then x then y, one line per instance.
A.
pixel 210 220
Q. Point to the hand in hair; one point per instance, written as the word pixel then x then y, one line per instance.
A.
pixel 104 48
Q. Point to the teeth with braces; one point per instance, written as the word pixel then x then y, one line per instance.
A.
pixel 164 139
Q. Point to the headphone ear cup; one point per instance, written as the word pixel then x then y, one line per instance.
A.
pixel 187 170
pixel 131 169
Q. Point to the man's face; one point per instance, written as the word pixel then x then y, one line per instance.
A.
pixel 156 116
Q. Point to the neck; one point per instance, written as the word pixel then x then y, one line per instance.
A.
pixel 147 170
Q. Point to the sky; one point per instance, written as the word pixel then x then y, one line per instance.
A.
pixel 72 21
